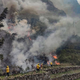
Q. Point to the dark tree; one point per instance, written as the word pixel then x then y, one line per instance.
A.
pixel 1 41
pixel 3 16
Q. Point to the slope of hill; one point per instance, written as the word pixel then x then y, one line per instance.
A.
pixel 70 50
pixel 52 8
pixel 51 73
pixel 34 19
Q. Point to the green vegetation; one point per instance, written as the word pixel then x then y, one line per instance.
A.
pixel 1 57
pixel 78 79
pixel 69 58
pixel 69 52
pixel 65 73
pixel 1 42
pixel 43 71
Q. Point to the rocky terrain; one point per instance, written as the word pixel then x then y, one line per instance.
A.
pixel 50 73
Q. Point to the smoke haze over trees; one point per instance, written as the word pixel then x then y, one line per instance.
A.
pixel 41 26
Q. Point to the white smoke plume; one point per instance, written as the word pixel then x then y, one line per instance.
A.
pixel 36 5
pixel 62 5
pixel 78 1
pixel 55 35
pixel 43 44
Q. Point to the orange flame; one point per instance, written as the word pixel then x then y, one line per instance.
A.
pixel 55 57
pixel 57 63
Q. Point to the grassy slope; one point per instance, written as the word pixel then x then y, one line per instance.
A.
pixel 67 73
pixel 47 67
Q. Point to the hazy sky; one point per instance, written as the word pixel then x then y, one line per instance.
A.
pixel 78 1
pixel 71 7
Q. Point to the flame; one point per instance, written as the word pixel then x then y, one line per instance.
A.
pixel 28 36
pixel 57 63
pixel 48 62
pixel 9 27
pixel 55 57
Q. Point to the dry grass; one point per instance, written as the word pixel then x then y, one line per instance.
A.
pixel 42 71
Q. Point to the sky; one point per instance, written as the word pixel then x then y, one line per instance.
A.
pixel 75 5
pixel 78 1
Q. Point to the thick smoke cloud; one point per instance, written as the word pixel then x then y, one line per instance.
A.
pixel 78 1
pixel 54 36
pixel 21 43
pixel 36 5
pixel 62 5
pixel 71 7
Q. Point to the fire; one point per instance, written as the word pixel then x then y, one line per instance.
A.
pixel 28 36
pixel 55 57
pixel 48 62
pixel 9 27
pixel 57 63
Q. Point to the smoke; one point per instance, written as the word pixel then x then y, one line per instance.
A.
pixel 71 7
pixel 78 1
pixel 54 36
pixel 36 5
pixel 23 46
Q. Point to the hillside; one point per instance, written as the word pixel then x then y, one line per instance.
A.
pixel 52 8
pixel 61 72
pixel 70 50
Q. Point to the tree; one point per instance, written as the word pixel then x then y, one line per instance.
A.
pixel 3 16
